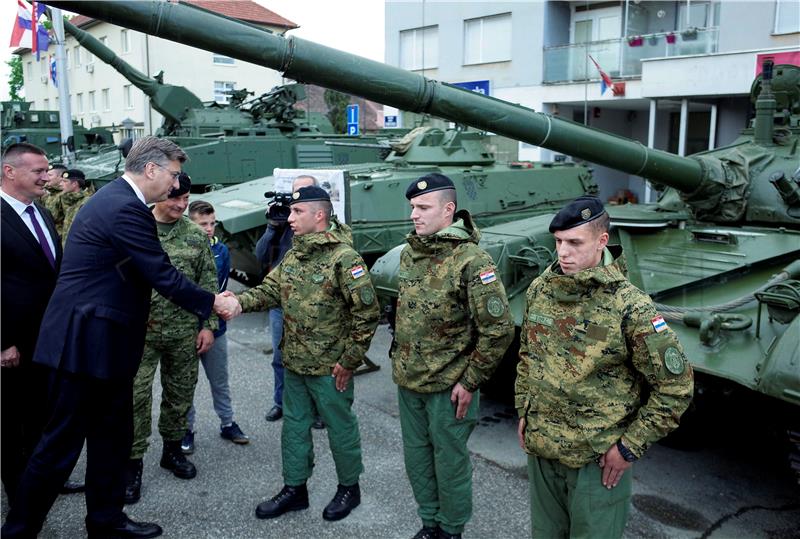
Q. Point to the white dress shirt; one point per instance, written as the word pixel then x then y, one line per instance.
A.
pixel 135 188
pixel 20 208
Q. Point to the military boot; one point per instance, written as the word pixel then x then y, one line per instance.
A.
pixel 345 500
pixel 172 458
pixel 428 533
pixel 133 481
pixel 288 499
pixel 444 535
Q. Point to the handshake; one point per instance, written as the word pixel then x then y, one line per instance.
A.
pixel 227 306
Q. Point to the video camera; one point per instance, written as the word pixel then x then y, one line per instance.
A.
pixel 278 210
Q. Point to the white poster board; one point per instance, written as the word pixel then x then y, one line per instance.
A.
pixel 330 180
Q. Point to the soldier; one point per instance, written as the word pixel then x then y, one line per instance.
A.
pixel 52 190
pixel 173 340
pixel 453 327
pixel 601 377
pixel 72 198
pixel 330 315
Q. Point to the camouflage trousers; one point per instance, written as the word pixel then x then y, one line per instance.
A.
pixel 436 456
pixel 300 397
pixel 179 364
pixel 573 503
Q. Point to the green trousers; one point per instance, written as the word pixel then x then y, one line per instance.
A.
pixel 572 502
pixel 179 363
pixel 301 396
pixel 436 457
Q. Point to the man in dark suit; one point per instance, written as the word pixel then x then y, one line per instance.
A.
pixel 27 279
pixel 92 339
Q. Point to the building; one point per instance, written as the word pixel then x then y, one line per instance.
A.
pixel 682 69
pixel 99 96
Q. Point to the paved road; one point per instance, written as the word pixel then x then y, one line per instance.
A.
pixel 676 493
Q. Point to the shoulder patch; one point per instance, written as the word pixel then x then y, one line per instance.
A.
pixel 357 271
pixel 488 277
pixel 673 360
pixel 659 324
pixel 366 295
pixel 495 306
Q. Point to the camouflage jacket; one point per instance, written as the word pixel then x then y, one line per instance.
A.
pixel 453 321
pixel 189 251
pixel 52 201
pixel 592 349
pixel 70 204
pixel 329 307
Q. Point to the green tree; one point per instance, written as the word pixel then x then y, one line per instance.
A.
pixel 15 80
pixel 337 109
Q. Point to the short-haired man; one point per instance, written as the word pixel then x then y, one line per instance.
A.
pixel 174 339
pixel 72 198
pixel 453 326
pixel 330 314
pixel 601 377
pixel 53 186
pixel 215 360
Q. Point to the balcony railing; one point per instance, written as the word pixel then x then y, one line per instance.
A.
pixel 622 57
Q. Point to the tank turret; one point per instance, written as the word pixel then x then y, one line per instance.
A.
pixel 720 186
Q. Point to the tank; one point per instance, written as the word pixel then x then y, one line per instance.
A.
pixel 228 144
pixel 719 253
pixel 42 128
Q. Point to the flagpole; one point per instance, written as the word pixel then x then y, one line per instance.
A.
pixel 65 112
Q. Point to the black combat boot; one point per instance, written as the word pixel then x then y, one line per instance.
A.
pixel 133 481
pixel 288 499
pixel 428 533
pixel 172 458
pixel 345 500
pixel 444 535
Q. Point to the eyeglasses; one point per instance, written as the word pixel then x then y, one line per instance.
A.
pixel 173 174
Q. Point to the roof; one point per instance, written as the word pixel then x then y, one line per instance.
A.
pixel 245 10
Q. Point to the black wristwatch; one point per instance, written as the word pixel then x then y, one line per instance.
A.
pixel 625 452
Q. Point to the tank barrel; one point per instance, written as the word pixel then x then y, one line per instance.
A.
pixel 167 99
pixel 309 62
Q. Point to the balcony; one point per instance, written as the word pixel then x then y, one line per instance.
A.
pixel 621 57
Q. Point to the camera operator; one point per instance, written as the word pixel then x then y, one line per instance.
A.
pixel 270 249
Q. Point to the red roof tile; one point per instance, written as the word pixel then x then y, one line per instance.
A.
pixel 245 10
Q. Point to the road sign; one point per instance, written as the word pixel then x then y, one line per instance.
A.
pixel 352 119
pixel 477 86
pixel 352 129
pixel 390 121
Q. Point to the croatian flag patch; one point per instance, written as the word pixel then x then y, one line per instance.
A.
pixel 357 271
pixel 658 324
pixel 488 277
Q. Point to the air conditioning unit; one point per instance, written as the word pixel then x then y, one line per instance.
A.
pixel 90 68
pixel 43 78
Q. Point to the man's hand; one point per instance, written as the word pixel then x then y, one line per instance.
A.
pixel 613 466
pixel 521 433
pixel 205 339
pixel 10 357
pixel 461 398
pixel 227 306
pixel 342 377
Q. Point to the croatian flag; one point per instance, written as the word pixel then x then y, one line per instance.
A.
pixel 26 26
pixel 605 80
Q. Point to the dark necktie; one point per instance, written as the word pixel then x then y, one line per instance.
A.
pixel 40 235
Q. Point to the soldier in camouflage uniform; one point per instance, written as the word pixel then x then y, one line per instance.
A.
pixel 72 198
pixel 330 314
pixel 174 339
pixel 601 377
pixel 52 192
pixel 453 327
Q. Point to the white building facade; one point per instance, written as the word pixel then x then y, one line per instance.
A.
pixel 682 69
pixel 100 96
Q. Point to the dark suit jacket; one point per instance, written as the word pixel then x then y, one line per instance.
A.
pixel 26 280
pixel 96 321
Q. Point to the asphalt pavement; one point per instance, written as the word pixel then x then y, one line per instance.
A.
pixel 713 492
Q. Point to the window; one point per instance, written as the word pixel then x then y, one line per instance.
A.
pixel 221 90
pixel 43 66
pixel 419 48
pixel 487 39
pixel 79 99
pixel 30 70
pixel 106 99
pixel 693 15
pixel 46 104
pixel 125 40
pixel 92 101
pixel 77 56
pixel 787 16
pixel 66 59
pixel 128 93
pixel 223 60
pixel 88 57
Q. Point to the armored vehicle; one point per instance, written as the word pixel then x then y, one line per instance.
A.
pixel 41 127
pixel 227 144
pixel 723 266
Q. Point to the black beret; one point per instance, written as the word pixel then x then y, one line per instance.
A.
pixel 580 211
pixel 428 184
pixel 74 174
pixel 184 184
pixel 57 166
pixel 312 193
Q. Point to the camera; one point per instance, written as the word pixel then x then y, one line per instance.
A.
pixel 278 210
